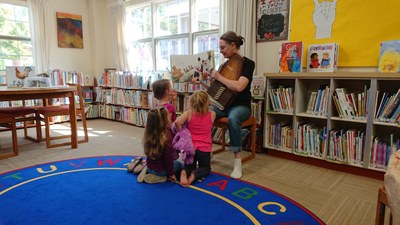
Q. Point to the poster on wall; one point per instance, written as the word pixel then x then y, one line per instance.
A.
pixel 272 20
pixel 69 30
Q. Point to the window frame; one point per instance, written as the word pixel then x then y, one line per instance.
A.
pixel 18 38
pixel 191 35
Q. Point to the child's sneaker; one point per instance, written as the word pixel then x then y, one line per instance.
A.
pixel 139 167
pixel 142 174
pixel 131 166
pixel 153 179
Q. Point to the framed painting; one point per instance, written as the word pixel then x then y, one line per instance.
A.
pixel 272 20
pixel 69 30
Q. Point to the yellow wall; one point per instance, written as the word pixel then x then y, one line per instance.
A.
pixel 360 26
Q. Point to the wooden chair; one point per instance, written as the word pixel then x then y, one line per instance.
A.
pixel 381 207
pixel 51 111
pixel 251 122
pixel 25 114
pixel 9 121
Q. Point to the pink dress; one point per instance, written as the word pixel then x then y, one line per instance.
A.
pixel 200 128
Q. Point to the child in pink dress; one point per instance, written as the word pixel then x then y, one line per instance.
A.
pixel 166 95
pixel 200 121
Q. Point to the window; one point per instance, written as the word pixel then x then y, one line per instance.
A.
pixel 159 29
pixel 15 37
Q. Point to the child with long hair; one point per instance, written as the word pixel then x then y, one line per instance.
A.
pixel 157 144
pixel 199 120
pixel 165 94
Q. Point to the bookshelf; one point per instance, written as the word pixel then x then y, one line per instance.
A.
pixel 332 120
pixel 124 97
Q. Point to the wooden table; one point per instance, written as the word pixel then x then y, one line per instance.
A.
pixel 9 94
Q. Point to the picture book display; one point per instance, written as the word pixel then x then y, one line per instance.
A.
pixel 322 57
pixel 16 75
pixel 389 56
pixel 257 87
pixel 184 68
pixel 291 55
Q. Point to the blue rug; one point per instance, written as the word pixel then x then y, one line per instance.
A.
pixel 99 190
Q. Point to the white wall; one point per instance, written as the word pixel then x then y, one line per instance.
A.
pixel 97 51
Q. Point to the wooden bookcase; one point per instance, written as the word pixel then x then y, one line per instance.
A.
pixel 327 137
pixel 125 97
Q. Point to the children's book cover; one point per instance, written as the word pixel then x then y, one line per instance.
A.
pixel 16 75
pixel 184 68
pixel 389 56
pixel 291 57
pixel 257 87
pixel 322 57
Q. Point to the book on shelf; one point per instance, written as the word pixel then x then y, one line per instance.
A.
pixel 186 67
pixel 389 56
pixel 322 57
pixel 87 95
pixel 291 55
pixel 389 107
pixel 257 87
pixel 16 75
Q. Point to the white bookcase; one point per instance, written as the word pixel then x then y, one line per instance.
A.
pixel 325 132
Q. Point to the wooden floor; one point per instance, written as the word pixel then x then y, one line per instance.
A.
pixel 336 197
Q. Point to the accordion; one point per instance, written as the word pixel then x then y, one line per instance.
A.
pixel 220 95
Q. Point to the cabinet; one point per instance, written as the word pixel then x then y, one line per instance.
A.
pixel 341 118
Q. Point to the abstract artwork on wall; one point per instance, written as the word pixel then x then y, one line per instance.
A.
pixel 69 30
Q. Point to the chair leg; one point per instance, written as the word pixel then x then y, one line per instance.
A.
pixel 38 128
pixel 47 128
pixel 253 144
pixel 85 130
pixel 14 138
pixel 380 207
pixel 222 142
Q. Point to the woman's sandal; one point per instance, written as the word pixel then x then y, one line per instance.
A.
pixel 133 164
pixel 139 167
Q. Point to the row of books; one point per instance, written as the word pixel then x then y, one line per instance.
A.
pixel 389 107
pixel 216 135
pixel 349 106
pixel 182 104
pixel 124 79
pixel 29 102
pixel 189 87
pixel 92 111
pixel 310 140
pixel 381 152
pixel 129 115
pixel 256 111
pixel 60 77
pixel 280 136
pixel 346 146
pixel 318 102
pixel 124 97
pixel 324 57
pixel 282 99
pixel 134 116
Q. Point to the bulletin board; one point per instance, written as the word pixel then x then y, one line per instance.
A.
pixel 359 28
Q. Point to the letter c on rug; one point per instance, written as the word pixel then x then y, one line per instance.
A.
pixel 53 168
pixel 261 205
